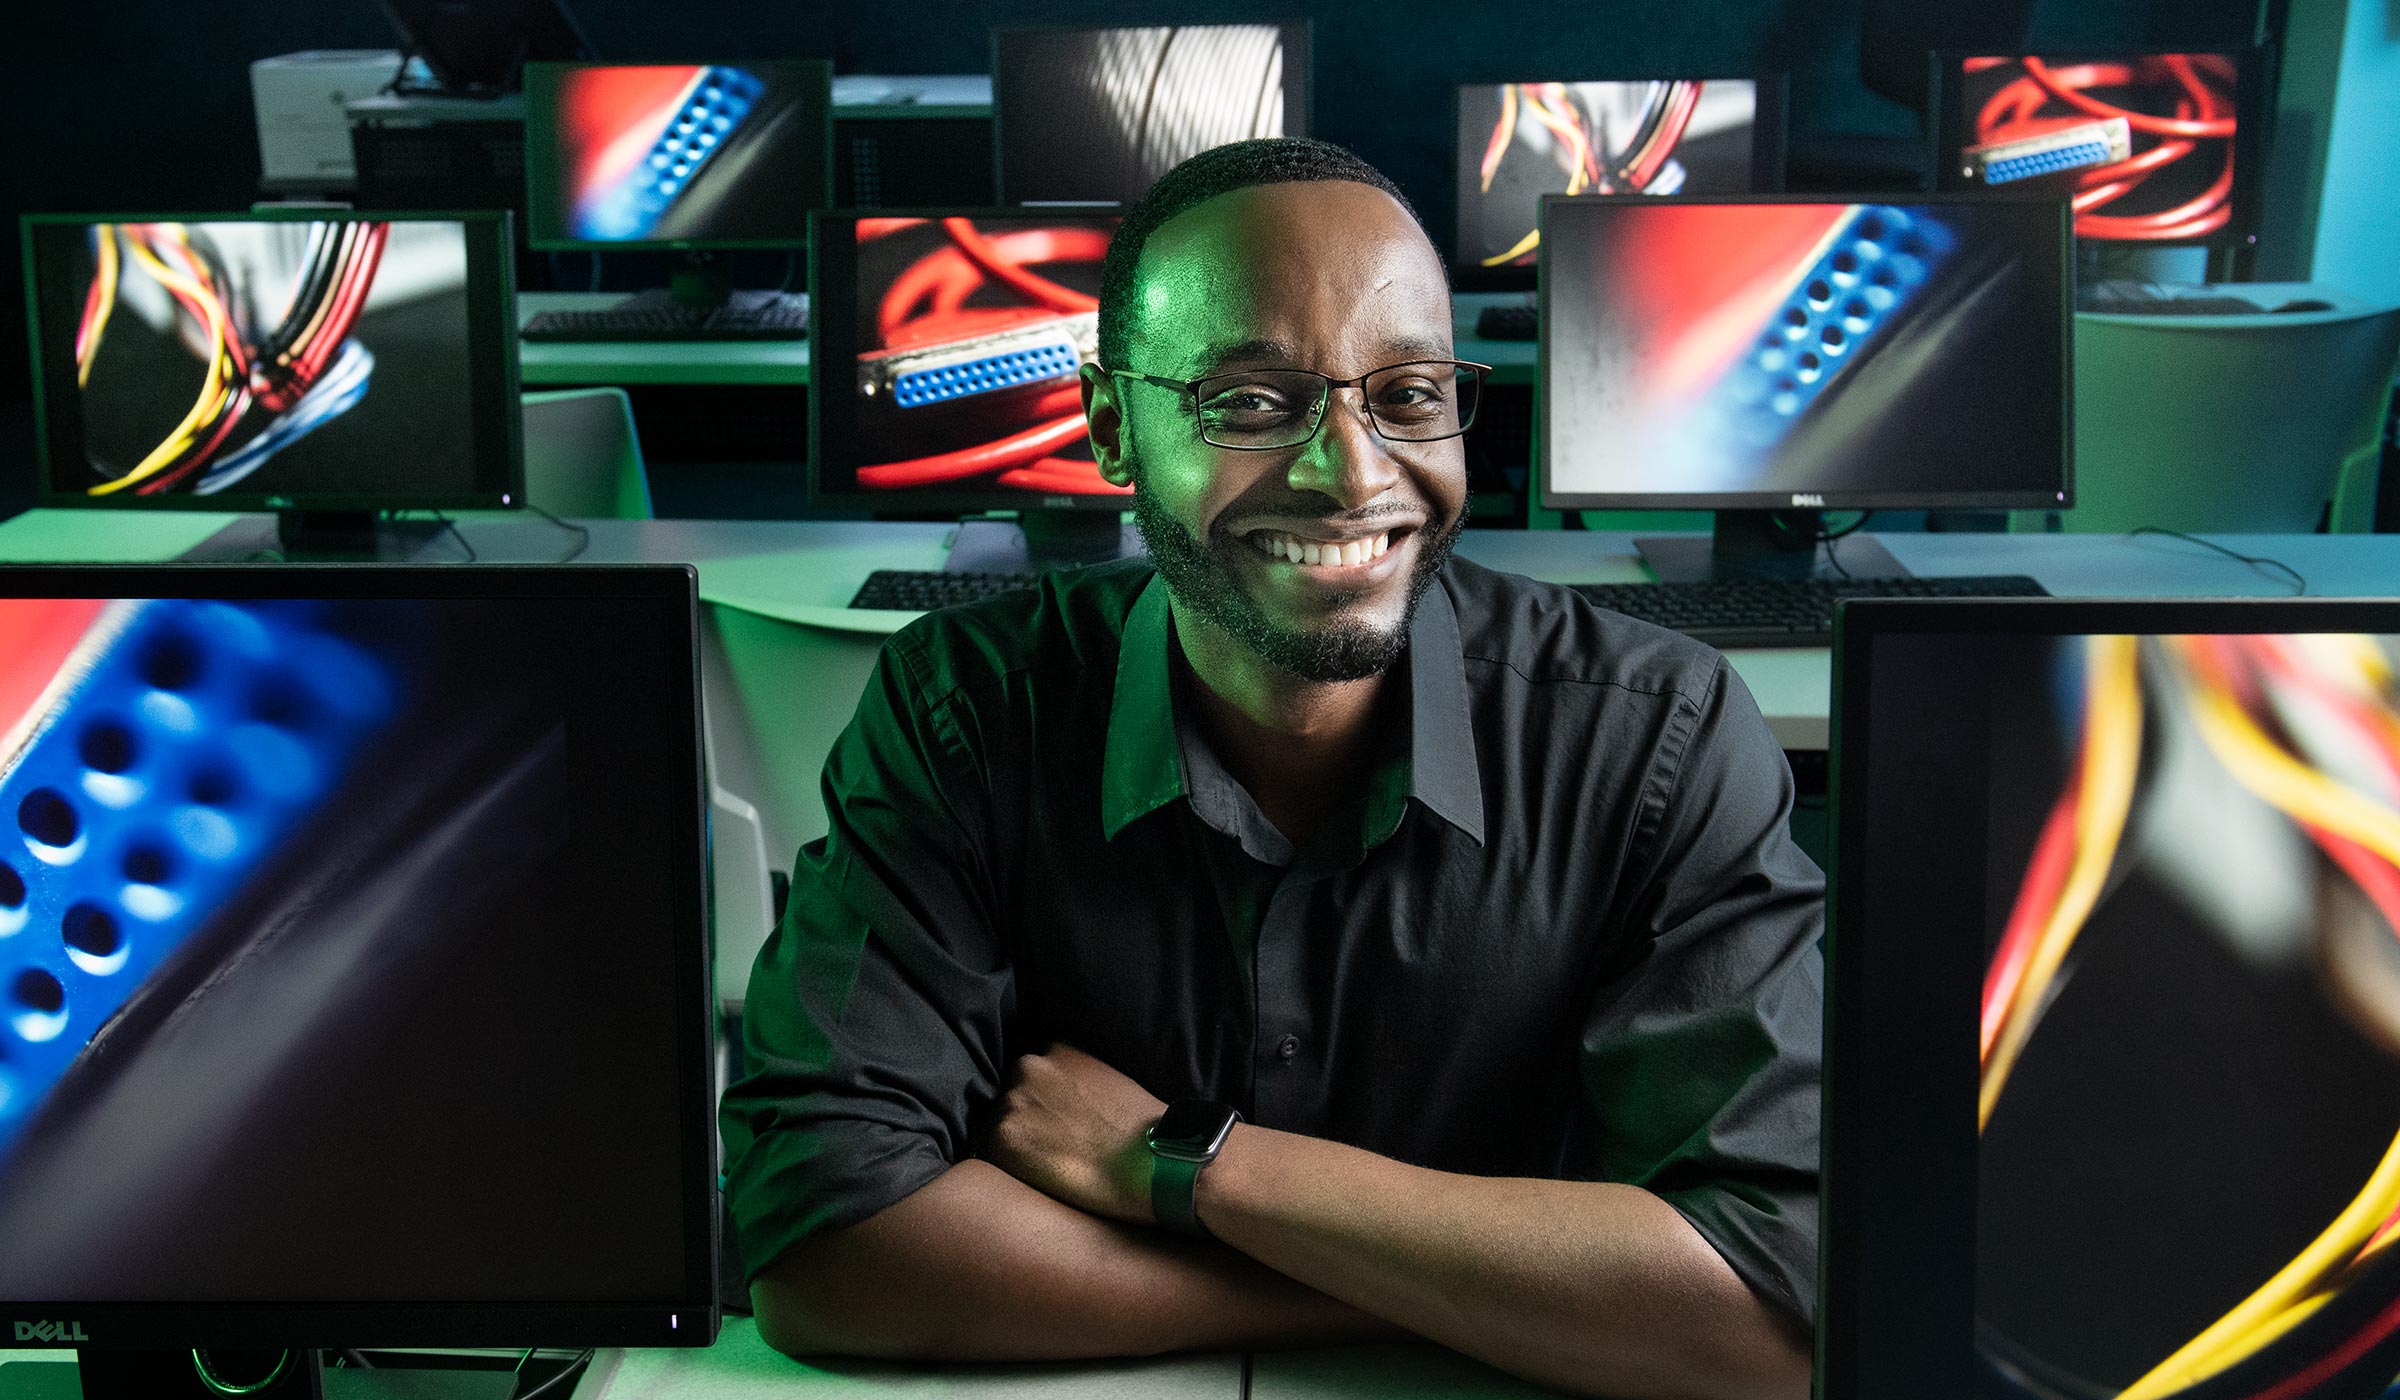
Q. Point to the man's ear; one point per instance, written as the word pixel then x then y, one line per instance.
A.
pixel 1106 420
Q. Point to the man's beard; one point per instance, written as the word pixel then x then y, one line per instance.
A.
pixel 1341 650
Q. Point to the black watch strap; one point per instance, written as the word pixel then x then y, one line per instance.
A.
pixel 1173 1183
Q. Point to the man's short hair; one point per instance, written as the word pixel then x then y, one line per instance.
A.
pixel 1270 160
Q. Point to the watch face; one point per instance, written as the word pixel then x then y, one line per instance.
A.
pixel 1193 1129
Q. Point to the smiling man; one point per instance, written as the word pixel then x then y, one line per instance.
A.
pixel 1302 935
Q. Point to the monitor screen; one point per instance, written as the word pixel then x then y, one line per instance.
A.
pixel 1095 116
pixel 1520 141
pixel 1789 354
pixel 352 978
pixel 2115 1019
pixel 242 362
pixel 682 155
pixel 2151 148
pixel 947 347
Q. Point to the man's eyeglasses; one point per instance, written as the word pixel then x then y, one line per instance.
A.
pixel 1257 410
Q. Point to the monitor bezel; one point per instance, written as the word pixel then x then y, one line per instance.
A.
pixel 2254 113
pixel 1304 102
pixel 2035 499
pixel 491 332
pixel 651 1322
pixel 545 220
pixel 919 501
pixel 1769 157
pixel 1894 1179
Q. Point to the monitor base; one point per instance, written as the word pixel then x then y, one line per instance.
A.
pixel 1036 541
pixel 1766 544
pixel 168 1375
pixel 351 536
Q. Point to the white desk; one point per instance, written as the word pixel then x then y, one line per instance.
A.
pixel 741 1367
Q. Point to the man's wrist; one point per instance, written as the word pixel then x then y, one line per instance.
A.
pixel 1219 1191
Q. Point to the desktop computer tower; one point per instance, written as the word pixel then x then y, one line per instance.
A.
pixel 415 152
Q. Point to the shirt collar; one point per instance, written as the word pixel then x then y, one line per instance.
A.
pixel 1142 767
pixel 1141 771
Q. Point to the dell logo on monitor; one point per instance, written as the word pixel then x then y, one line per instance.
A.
pixel 51 1332
pixel 1807 500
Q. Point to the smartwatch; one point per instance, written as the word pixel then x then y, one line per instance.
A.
pixel 1183 1141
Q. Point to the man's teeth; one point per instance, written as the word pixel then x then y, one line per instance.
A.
pixel 1296 550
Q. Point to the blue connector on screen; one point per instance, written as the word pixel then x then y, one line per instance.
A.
pixel 187 742
pixel 1054 359
pixel 1875 262
pixel 2073 146
pixel 711 111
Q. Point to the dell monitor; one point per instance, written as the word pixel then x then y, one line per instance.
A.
pixel 2113 1022
pixel 1775 358
pixel 322 366
pixel 686 158
pixel 947 347
pixel 2154 150
pixel 1095 116
pixel 1520 141
pixel 353 979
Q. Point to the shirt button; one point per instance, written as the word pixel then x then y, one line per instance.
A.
pixel 1287 1047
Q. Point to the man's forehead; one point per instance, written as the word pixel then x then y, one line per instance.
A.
pixel 1287 273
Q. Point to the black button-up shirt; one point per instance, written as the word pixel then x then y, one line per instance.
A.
pixel 1564 931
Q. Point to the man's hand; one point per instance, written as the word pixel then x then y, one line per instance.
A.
pixel 1072 1128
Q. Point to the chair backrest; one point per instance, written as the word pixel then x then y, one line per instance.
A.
pixel 582 457
pixel 2230 423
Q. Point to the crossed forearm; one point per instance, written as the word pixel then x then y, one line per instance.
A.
pixel 1591 1287
pixel 977 1266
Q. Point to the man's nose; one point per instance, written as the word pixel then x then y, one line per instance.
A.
pixel 1347 460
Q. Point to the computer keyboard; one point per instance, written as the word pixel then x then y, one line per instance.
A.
pixel 1509 321
pixel 923 590
pixel 1782 612
pixel 763 317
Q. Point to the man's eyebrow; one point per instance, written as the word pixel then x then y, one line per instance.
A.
pixel 1414 348
pixel 1245 354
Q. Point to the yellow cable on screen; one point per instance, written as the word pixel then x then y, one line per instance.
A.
pixel 106 301
pixel 2316 1273
pixel 2112 751
pixel 212 390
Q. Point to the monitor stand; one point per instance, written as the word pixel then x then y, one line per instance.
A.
pixel 1766 544
pixel 168 1375
pixel 1037 541
pixel 351 536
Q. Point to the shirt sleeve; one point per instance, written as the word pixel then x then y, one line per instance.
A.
pixel 872 1024
pixel 1702 1055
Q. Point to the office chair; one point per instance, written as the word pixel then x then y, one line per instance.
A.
pixel 2247 424
pixel 582 458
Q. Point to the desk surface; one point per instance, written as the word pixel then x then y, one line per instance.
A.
pixel 740 1367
